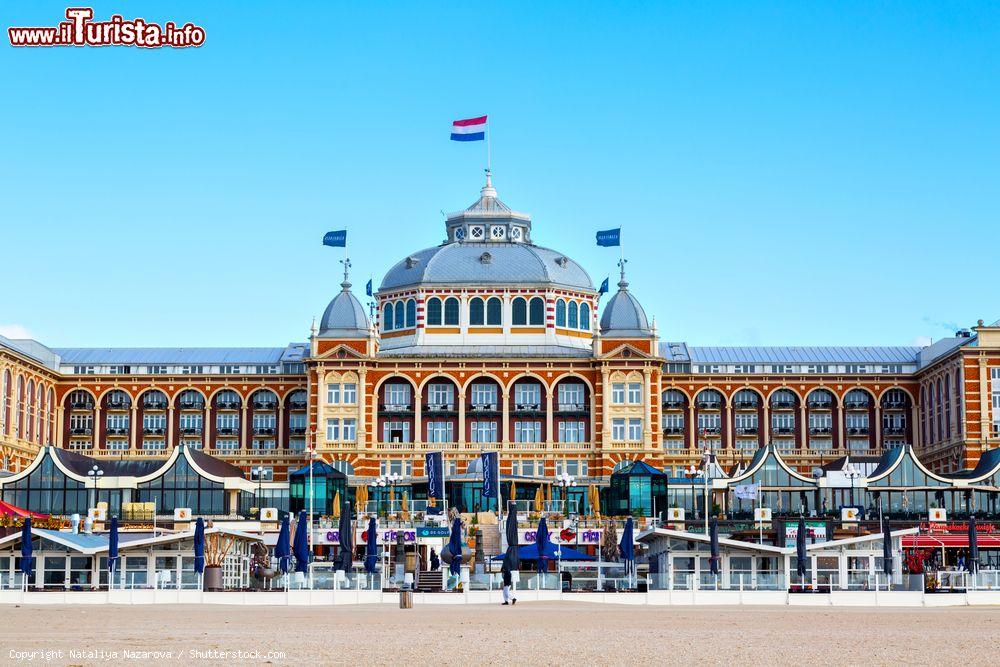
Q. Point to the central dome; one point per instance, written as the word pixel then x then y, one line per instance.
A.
pixel 488 244
pixel 487 264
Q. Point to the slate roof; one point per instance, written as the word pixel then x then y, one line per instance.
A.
pixel 486 351
pixel 813 354
pixel 171 355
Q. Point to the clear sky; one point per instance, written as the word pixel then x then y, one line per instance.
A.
pixel 785 173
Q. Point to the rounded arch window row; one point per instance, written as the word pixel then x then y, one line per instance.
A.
pixel 785 398
pixel 401 314
pixel 487 311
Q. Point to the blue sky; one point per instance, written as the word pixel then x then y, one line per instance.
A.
pixel 785 173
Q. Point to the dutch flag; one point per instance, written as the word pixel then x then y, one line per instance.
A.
pixel 470 129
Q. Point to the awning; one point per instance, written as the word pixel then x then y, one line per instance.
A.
pixel 530 552
pixel 6 509
pixel 950 541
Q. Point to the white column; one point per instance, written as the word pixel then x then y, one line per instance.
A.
pixel 362 402
pixel 647 428
pixel 418 417
pixel 461 418
pixel 505 415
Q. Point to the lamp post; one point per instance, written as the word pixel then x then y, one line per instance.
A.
pixel 95 474
pixel 311 445
pixel 691 472
pixel 852 474
pixel 565 481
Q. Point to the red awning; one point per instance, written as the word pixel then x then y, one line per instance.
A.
pixel 957 541
pixel 6 509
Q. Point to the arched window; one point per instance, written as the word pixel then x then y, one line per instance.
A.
pixel 494 312
pixel 411 314
pixel 451 312
pixel 400 316
pixel 857 398
pixel 585 316
pixel 519 312
pixel 709 399
pixel 387 317
pixel 434 312
pixel 50 405
pixel 477 313
pixel 19 408
pixel 30 410
pixel 536 312
pixel 5 403
pixel 783 399
pixel 560 313
pixel 574 315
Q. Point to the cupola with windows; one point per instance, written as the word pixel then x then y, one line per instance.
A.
pixel 488 284
pixel 345 317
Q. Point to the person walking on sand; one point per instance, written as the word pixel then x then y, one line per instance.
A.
pixel 507 599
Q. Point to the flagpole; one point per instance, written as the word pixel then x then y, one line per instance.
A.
pixel 489 162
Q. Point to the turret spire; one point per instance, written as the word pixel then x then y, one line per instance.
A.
pixel 347 270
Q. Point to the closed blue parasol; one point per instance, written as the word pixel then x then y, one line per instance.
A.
pixel 542 544
pixel 972 562
pixel 199 546
pixel 113 550
pixel 713 541
pixel 346 532
pixel 301 546
pixel 371 547
pixel 26 560
pixel 886 546
pixel 512 560
pixel 283 548
pixel 530 552
pixel 455 547
pixel 627 547
pixel 800 548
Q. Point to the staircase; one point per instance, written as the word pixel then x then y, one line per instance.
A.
pixel 429 582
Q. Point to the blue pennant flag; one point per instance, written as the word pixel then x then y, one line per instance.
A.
pixel 434 469
pixel 604 287
pixel 609 237
pixel 368 287
pixel 337 239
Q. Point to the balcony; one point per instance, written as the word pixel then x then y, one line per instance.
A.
pixel 82 405
pixel 820 430
pixel 710 430
pixel 228 430
pixel 528 408
pixel 118 431
pixel 191 405
pixel 673 430
pixel 440 408
pixel 745 405
pixel 153 430
pixel 227 405
pixel 265 405
pixel 154 404
pixel 709 405
pixel 483 409
pixel 118 405
pixel 820 405
pixel 395 408
pixel 263 430
pixel 894 430
pixel 746 430
pixel 673 405
pixel 858 430
pixel 297 405
pixel 782 405
pixel 895 405
pixel 297 430
pixel 572 409
pixel 191 430
pixel 81 431
pixel 856 405
pixel 783 430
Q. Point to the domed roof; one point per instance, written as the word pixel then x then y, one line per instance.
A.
pixel 624 316
pixel 487 264
pixel 345 317
pixel 489 244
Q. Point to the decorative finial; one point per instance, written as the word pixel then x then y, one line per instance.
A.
pixel 488 189
pixel 347 270
pixel 313 328
pixel 622 284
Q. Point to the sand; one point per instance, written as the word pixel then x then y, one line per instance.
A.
pixel 529 633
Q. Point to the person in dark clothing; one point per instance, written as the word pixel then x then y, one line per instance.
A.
pixel 507 581
pixel 435 561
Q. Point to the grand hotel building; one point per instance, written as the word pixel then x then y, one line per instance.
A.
pixel 491 342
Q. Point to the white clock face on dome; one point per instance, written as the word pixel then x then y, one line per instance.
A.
pixel 460 234
pixel 498 232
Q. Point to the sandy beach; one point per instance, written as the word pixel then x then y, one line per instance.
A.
pixel 529 633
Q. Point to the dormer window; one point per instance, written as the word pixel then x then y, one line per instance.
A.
pixel 476 232
pixel 498 232
pixel 486 258
pixel 459 233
